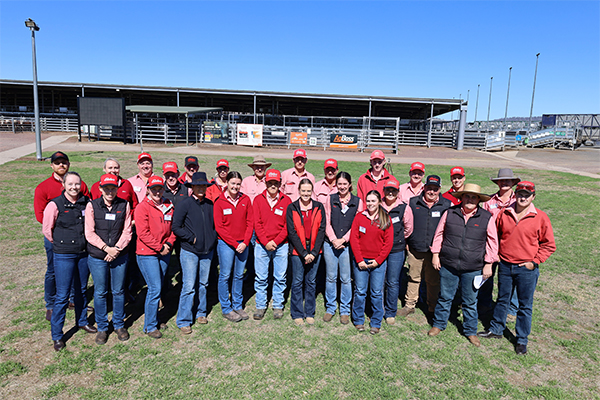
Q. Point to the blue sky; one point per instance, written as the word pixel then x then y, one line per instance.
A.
pixel 424 49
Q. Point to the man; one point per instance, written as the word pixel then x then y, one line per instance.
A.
pixel 140 181
pixel 290 178
pixel 457 177
pixel 254 185
pixel 220 182
pixel 125 190
pixel 375 178
pixel 270 209
pixel 464 246
pixel 44 193
pixel 427 209
pixel 326 187
pixel 414 186
pixel 191 166
pixel 174 190
pixel 526 241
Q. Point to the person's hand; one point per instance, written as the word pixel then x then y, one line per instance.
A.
pixel 240 248
pixel 487 271
pixel 108 258
pixel 338 244
pixel 309 258
pixel 271 246
pixel 529 265
pixel 194 242
pixel 165 250
pixel 372 264
pixel 362 265
pixel 435 261
pixel 112 251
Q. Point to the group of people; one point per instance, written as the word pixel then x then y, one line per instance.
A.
pixel 288 220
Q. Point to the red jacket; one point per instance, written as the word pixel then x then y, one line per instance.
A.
pixel 530 239
pixel 234 223
pixel 214 191
pixel 367 240
pixel 449 196
pixel 153 226
pixel 48 190
pixel 366 184
pixel 270 224
pixel 125 192
pixel 296 234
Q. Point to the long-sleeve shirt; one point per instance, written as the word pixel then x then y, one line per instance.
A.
pixel 407 218
pixel 322 191
pixel 139 186
pixel 290 180
pixel 329 228
pixel 90 229
pixel 495 204
pixel 234 222
pixel 369 241
pixel 270 218
pixel 454 200
pixel 366 183
pixel 125 192
pixel 252 187
pixel 153 226
pixel 48 190
pixel 406 191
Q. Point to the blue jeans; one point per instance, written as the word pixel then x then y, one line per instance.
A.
pixel 393 281
pixel 303 302
pixel 194 270
pixel 372 278
pixel 484 296
pixel 117 269
pixel 67 269
pixel 49 280
pixel 512 276
pixel 333 259
pixel 450 280
pixel 262 258
pixel 229 260
pixel 153 270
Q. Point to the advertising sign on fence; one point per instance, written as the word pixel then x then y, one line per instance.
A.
pixel 298 138
pixel 215 132
pixel 249 134
pixel 343 141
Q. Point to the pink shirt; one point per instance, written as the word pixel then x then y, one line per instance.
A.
pixel 494 205
pixel 406 191
pixel 90 229
pixel 231 199
pixel 407 219
pixel 271 201
pixel 491 244
pixel 290 180
pixel 49 219
pixel 139 186
pixel 322 191
pixel 252 187
pixel 329 228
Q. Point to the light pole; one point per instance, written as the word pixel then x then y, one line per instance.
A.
pixel 507 93
pixel 38 137
pixel 537 57
pixel 489 104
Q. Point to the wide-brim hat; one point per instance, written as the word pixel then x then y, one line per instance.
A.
pixel 199 178
pixel 260 160
pixel 472 189
pixel 506 173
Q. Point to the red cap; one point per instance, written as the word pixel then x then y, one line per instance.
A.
pixel 222 163
pixel 330 163
pixel 525 186
pixel 142 156
pixel 299 153
pixel 392 183
pixel 273 175
pixel 109 179
pixel 457 171
pixel 170 167
pixel 377 155
pixel 155 181
pixel 417 166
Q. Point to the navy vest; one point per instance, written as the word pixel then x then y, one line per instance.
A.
pixel 68 235
pixel 425 221
pixel 109 230
pixel 397 216
pixel 176 198
pixel 340 222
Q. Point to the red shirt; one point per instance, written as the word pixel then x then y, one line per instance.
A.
pixel 153 226
pixel 366 184
pixel 269 222
pixel 48 190
pixel 234 223
pixel 449 196
pixel 367 240
pixel 125 192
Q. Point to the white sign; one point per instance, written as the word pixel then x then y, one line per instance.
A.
pixel 249 134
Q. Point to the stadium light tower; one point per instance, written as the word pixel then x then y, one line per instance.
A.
pixel 507 93
pixel 38 137
pixel 537 57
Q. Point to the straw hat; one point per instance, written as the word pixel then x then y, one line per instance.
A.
pixel 260 160
pixel 473 189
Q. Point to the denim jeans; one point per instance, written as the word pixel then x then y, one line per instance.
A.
pixel 262 258
pixel 194 270
pixel 303 302
pixel 393 281
pixel 484 296
pixel 67 269
pixel 153 270
pixel 373 279
pixel 335 258
pixel 525 281
pixel 109 274
pixel 231 261
pixel 49 280
pixel 450 280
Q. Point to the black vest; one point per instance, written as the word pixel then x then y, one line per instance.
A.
pixel 397 216
pixel 176 198
pixel 463 247
pixel 425 221
pixel 68 235
pixel 109 230
pixel 340 222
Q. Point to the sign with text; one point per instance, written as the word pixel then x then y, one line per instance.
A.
pixel 249 134
pixel 343 141
pixel 298 138
pixel 215 132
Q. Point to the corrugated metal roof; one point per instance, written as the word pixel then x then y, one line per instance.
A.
pixel 171 109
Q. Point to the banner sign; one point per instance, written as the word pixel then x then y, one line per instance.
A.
pixel 215 132
pixel 343 141
pixel 249 134
pixel 298 138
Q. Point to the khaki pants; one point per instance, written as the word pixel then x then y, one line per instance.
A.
pixel 420 267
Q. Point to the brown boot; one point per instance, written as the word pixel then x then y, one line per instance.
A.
pixel 405 312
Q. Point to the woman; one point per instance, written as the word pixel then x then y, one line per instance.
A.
pixel 63 225
pixel 402 219
pixel 153 218
pixel 371 241
pixel 108 233
pixel 234 225
pixel 340 208
pixel 306 232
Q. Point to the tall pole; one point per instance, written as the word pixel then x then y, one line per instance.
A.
pixel 477 103
pixel 489 104
pixel 38 136
pixel 507 93
pixel 537 57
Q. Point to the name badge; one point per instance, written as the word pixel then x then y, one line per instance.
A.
pixel 137 188
pixel 227 211
pixel 435 214
pixel 168 217
pixel 395 220
pixel 83 213
pixel 362 229
pixel 345 209
pixel 110 217
pixel 493 205
pixel 278 211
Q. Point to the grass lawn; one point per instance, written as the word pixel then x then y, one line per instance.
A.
pixel 276 359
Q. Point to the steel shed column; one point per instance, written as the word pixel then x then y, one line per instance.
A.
pixel 461 127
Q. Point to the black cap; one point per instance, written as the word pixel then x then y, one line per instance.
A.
pixel 434 180
pixel 57 155
pixel 199 178
pixel 191 160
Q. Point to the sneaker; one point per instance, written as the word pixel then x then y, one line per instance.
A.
pixel 434 331
pixel 122 334
pixel 390 320
pixel 405 312
pixel 310 320
pixel 277 313
pixel 299 321
pixel 327 317
pixel 155 334
pixel 186 330
pixel 360 328
pixel 259 314
pixel 101 337
pixel 488 335
pixel 474 340
pixel 521 349
pixel 232 316
pixel 344 319
pixel 242 314
pixel 202 320
pixel 374 331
